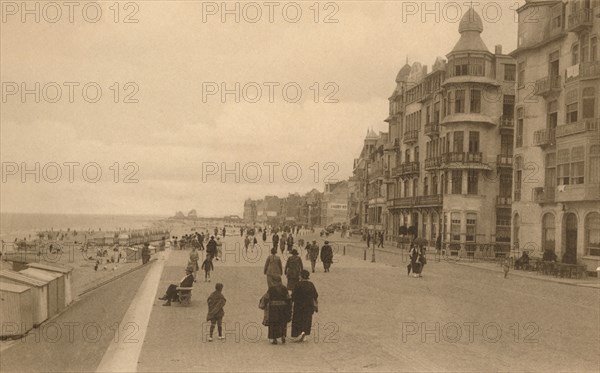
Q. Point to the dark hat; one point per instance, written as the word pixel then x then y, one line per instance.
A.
pixel 305 274
pixel 189 269
pixel 326 242
pixel 294 252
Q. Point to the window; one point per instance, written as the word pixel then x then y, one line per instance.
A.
pixel 592 234
pixel 516 229
pixel 458 142
pixel 434 220
pixel 434 188
pixel 508 107
pixel 575 54
pixel 415 190
pixel 407 155
pixel 572 113
pixel 577 165
pixel 473 141
pixel 455 226
pixel 520 119
pixel 594 49
pixel 425 187
pixel 476 67
pixel 552 115
pixel 563 167
pixel 456 181
pixel 505 184
pixel 548 232
pixel 585 44
pixel 503 225
pixel 445 184
pixel 510 72
pixel 471 227
pixel 594 175
pixel 436 112
pixel 428 114
pixel 472 182
pixel 588 103
pixel 475 101
pixel 406 188
pixel 518 177
pixel 459 101
pixel 416 153
pixel 550 176
pixel 521 77
pixel 556 22
pixel 506 145
pixel 461 66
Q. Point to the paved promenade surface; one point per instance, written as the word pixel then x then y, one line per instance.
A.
pixel 372 318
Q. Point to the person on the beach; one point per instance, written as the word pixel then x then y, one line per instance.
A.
pixel 211 247
pixel 313 255
pixel 505 267
pixel 216 302
pixel 146 253
pixel 273 268
pixel 194 258
pixel 207 266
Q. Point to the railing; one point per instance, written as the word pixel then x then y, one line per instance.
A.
pixel 504 160
pixel 543 195
pixel 433 200
pixel 403 202
pixel 544 137
pixel 507 123
pixel 432 128
pixel 503 201
pixel 411 136
pixel 589 69
pixel 433 163
pixel 584 125
pixel 462 157
pixel 409 168
pixel 547 85
pixel 581 19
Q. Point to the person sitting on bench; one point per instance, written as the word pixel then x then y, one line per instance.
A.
pixel 523 261
pixel 186 282
pixel 549 256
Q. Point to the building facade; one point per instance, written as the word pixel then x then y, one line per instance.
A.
pixel 557 140
pixel 334 203
pixel 448 158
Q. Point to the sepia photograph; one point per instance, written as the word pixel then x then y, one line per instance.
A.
pixel 300 186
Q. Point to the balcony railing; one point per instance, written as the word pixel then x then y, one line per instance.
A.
pixel 584 70
pixel 433 163
pixel 503 201
pixel 403 202
pixel 434 200
pixel 462 157
pixel 504 160
pixel 506 123
pixel 548 85
pixel 543 195
pixel 411 136
pixel 410 168
pixel 584 125
pixel 432 129
pixel 581 19
pixel 545 137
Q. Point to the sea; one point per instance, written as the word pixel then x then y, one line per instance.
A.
pixel 25 225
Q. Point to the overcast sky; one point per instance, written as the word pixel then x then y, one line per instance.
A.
pixel 171 56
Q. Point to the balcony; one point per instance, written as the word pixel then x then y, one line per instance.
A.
pixel 433 163
pixel 409 169
pixel 544 138
pixel 504 161
pixel 375 173
pixel 548 85
pixel 411 137
pixel 581 20
pixel 433 200
pixel 503 202
pixel 405 202
pixel 584 70
pixel 543 195
pixel 584 125
pixel 432 129
pixel 506 124
pixel 456 160
pixel 388 177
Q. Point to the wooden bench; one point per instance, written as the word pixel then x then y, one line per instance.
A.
pixel 185 295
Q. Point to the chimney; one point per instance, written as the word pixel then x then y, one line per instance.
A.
pixel 498 49
pixel 425 70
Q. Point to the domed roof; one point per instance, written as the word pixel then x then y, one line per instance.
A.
pixel 403 73
pixel 471 21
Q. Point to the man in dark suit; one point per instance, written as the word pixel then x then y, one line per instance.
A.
pixel 186 282
pixel 211 247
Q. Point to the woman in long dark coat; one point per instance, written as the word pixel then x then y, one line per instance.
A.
pixel 304 297
pixel 293 268
pixel 280 310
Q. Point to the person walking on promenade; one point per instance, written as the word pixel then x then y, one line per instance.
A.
pixel 219 248
pixel 207 267
pixel 216 301
pixel 186 282
pixel 505 267
pixel 290 243
pixel 254 242
pixel 224 232
pixel 273 268
pixel 211 247
pixel 275 241
pixel 304 298
pixel 380 239
pixel 201 238
pixel 326 256
pixel 246 243
pixel 293 268
pixel 283 242
pixel 146 253
pixel 368 240
pixel 264 235
pixel 313 255
pixel 194 257
pixel 422 260
pixel 278 310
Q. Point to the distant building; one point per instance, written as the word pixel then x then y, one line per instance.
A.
pixel 250 211
pixel 334 204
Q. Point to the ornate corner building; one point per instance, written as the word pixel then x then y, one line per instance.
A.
pixel 557 140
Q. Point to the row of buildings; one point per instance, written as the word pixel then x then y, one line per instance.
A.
pixel 497 148
pixel 315 208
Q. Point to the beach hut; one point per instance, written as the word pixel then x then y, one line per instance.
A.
pixel 16 311
pixel 55 291
pixel 67 278
pixel 123 239
pixel 39 291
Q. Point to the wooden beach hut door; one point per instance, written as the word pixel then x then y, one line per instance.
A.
pixel 571 238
